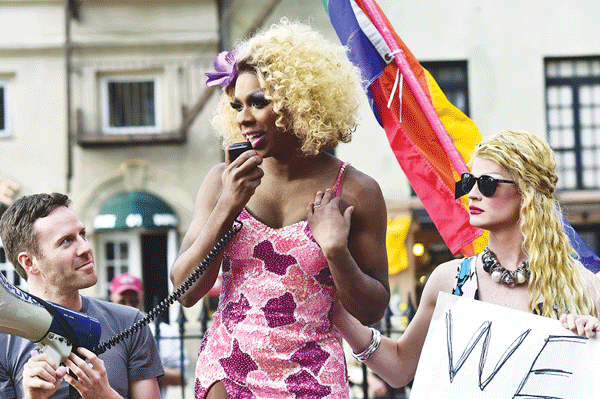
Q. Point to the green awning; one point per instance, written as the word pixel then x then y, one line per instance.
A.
pixel 135 209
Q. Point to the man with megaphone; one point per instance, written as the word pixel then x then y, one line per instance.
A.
pixel 46 243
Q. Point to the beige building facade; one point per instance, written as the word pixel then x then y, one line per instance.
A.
pixel 68 131
pixel 105 101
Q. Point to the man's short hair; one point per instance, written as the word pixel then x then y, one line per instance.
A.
pixel 16 224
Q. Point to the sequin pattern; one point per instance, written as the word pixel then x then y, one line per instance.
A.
pixel 272 335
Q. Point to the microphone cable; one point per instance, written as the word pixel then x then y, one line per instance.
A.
pixel 164 305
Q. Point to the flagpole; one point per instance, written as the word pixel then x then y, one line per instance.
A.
pixel 415 86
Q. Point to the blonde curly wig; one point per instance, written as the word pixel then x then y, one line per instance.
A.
pixel 555 273
pixel 314 88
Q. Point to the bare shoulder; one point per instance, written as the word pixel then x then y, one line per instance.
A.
pixel 217 169
pixel 370 211
pixel 442 278
pixel 213 177
pixel 212 184
pixel 447 269
pixel 361 190
pixel 356 180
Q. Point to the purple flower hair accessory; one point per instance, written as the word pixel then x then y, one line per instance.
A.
pixel 225 68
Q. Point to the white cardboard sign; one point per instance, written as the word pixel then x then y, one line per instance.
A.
pixel 478 350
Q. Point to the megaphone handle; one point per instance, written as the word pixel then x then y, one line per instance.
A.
pixel 56 346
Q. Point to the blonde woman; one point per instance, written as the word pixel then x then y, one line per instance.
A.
pixel 527 265
pixel 313 227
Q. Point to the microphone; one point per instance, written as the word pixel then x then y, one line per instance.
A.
pixel 55 329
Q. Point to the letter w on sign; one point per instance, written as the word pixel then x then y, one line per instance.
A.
pixel 484 330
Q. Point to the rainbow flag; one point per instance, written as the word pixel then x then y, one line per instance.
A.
pixel 429 136
pixel 588 257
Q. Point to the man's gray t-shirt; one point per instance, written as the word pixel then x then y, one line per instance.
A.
pixel 135 358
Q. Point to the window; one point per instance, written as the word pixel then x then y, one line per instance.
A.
pixel 131 105
pixel 125 106
pixel 451 76
pixel 5 123
pixel 119 252
pixel 573 120
pixel 117 258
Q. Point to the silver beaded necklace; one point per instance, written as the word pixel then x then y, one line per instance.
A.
pixel 499 274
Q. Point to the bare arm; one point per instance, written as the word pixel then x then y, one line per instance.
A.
pixel 172 376
pixel 144 389
pixel 396 361
pixel 222 196
pixel 353 241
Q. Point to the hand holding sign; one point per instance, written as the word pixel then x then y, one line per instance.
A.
pixel 472 351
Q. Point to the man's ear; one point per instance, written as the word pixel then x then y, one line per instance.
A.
pixel 27 262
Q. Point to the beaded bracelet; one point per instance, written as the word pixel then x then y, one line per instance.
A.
pixel 375 341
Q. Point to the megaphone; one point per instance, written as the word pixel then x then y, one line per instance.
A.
pixel 55 329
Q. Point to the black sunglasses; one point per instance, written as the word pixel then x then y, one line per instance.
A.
pixel 487 184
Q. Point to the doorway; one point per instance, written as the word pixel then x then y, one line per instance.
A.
pixel 155 270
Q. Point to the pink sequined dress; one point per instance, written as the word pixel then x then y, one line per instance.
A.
pixel 272 335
